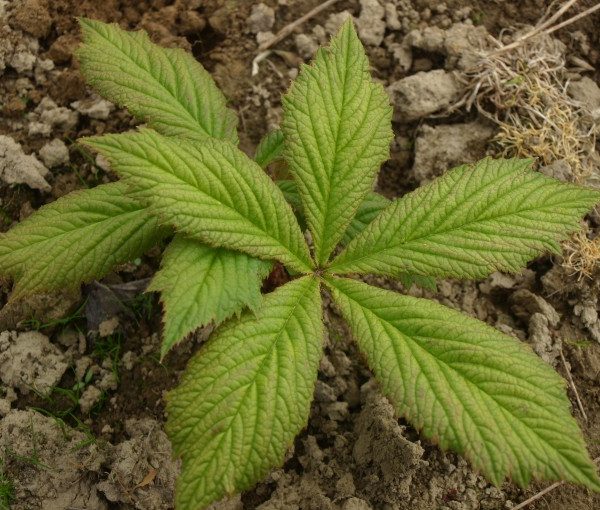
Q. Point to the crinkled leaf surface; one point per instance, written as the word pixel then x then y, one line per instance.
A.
pixel 368 210
pixel 270 148
pixel 409 279
pixel 495 215
pixel 210 191
pixel 467 386
pixel 167 88
pixel 245 395
pixel 79 237
pixel 337 130
pixel 200 284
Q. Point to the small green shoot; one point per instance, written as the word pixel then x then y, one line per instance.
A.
pixel 7 489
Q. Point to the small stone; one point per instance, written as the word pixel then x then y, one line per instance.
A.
pixel 320 33
pixel 89 398
pixel 370 23
pixel 128 360
pixel 4 407
pixel 81 367
pixel 402 55
pixel 587 92
pixel 103 163
pixel 29 361
pixel 38 129
pixel 336 411
pixel 62 49
pixel 356 504
pixel 261 19
pixel 263 37
pixel 306 46
pixel 32 17
pixel 391 17
pixel 54 153
pixel 422 94
pixel 430 39
pixel 54 116
pixel 439 148
pixel 18 168
pixel 525 303
pixel 541 339
pixel 108 327
pixel 335 21
pixel 324 392
pixel 559 169
pixel 94 108
pixel 345 485
pixel 191 23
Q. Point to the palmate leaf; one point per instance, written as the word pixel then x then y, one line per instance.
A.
pixel 167 88
pixel 270 148
pixel 75 239
pixel 337 130
pixel 200 284
pixel 210 191
pixel 368 210
pixel 246 394
pixel 467 386
pixel 495 215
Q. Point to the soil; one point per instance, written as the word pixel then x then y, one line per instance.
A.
pixel 81 397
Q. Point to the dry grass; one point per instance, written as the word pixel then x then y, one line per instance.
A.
pixel 581 256
pixel 524 92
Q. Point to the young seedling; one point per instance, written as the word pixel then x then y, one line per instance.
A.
pixel 246 394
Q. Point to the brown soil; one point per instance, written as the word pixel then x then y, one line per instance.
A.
pixel 354 454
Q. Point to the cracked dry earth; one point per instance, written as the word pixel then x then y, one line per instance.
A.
pixel 81 387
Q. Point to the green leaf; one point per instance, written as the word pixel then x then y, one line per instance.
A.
pixel 200 284
pixel 290 192
pixel 467 386
pixel 210 191
pixel 495 215
pixel 369 209
pixel 167 88
pixel 337 130
pixel 245 395
pixel 77 238
pixel 367 212
pixel 270 148
pixel 409 279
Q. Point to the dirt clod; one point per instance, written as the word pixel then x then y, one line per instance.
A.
pixel 28 361
pixel 422 94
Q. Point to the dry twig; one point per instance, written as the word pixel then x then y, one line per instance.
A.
pixel 288 29
pixel 572 384
pixel 542 493
pixel 263 49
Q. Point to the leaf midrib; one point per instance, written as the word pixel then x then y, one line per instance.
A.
pixel 195 121
pixel 247 386
pixel 466 379
pixel 79 229
pixel 301 263
pixel 464 226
